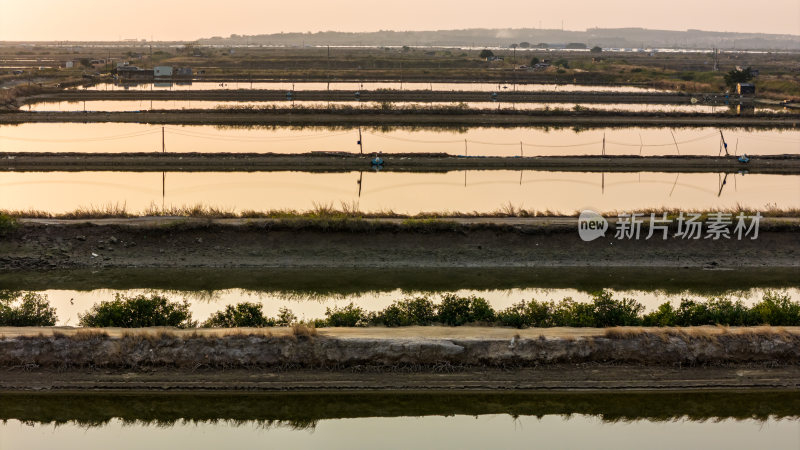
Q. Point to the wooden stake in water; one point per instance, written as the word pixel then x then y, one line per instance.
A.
pixel 163 142
pixel 465 148
pixel 641 144
pixel 360 142
pixel 520 149
pixel 676 142
pixel 604 144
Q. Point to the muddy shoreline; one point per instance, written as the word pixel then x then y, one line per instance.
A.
pixel 355 117
pixel 371 243
pixel 405 162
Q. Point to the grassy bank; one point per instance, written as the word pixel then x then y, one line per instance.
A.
pixel 323 211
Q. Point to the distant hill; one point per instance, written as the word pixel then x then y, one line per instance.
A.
pixel 604 37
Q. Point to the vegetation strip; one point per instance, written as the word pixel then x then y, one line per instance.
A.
pixel 404 162
pixel 30 309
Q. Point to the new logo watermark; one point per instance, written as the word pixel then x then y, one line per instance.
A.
pixel 635 226
pixel 591 225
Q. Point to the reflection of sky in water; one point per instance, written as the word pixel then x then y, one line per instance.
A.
pixel 474 190
pixel 69 303
pixel 131 137
pixel 459 431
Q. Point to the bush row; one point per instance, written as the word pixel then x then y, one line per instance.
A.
pixel 33 309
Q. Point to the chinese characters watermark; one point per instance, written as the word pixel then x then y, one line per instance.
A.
pixel 636 226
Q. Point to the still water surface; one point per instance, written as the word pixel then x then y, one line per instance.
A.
pixel 731 420
pixel 132 137
pixel 457 432
pixel 411 193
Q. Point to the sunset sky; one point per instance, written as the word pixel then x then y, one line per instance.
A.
pixel 187 20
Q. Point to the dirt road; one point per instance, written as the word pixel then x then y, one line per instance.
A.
pixel 372 243
pixel 443 118
pixel 405 162
pixel 418 358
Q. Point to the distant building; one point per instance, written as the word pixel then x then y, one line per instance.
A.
pixel 69 64
pixel 745 89
pixel 183 71
pixel 162 71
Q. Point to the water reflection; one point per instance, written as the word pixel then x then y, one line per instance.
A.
pixel 130 137
pixel 412 193
pixel 403 420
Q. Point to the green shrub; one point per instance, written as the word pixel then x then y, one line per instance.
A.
pixel 569 313
pixel 285 317
pixel 514 316
pixel 346 316
pixel 692 313
pixel 244 314
pixel 527 314
pixel 25 309
pixel 403 313
pixel 612 313
pixel 775 309
pixel 138 311
pixel 455 310
pixel 664 316
pixel 723 311
pixel 7 223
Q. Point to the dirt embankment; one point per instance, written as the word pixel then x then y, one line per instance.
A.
pixel 257 360
pixel 422 117
pixel 406 162
pixel 373 243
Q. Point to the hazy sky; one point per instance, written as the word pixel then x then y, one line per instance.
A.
pixel 179 19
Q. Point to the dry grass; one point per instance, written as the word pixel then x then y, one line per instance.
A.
pixel 82 335
pixel 701 332
pixel 239 333
pixel 353 211
pixel 303 330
